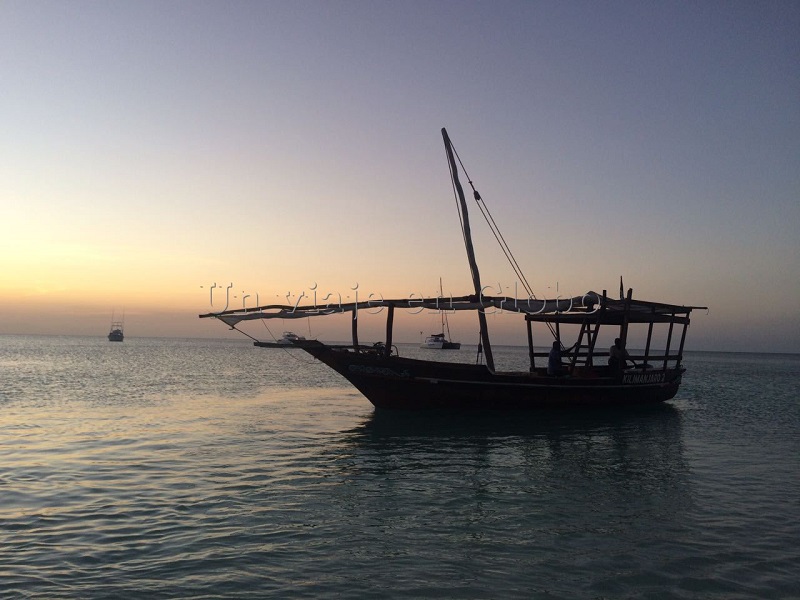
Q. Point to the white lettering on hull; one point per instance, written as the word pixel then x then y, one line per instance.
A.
pixel 380 371
pixel 634 378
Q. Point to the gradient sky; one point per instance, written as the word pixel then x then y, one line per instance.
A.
pixel 151 149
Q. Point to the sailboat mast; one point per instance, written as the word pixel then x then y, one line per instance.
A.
pixel 445 324
pixel 473 266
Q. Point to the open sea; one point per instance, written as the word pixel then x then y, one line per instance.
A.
pixel 171 468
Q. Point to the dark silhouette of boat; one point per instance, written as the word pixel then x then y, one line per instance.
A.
pixel 440 341
pixel 288 339
pixel 117 330
pixel 587 375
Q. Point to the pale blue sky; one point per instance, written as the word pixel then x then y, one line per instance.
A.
pixel 149 148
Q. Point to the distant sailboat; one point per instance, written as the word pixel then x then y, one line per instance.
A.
pixel 438 341
pixel 116 334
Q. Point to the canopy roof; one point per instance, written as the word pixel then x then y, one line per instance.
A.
pixel 570 310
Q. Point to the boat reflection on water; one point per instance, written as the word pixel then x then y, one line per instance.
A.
pixel 593 505
pixel 656 420
pixel 623 456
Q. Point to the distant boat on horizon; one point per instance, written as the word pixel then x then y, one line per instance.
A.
pixel 117 329
pixel 438 341
pixel 289 337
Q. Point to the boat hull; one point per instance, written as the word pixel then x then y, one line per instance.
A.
pixel 441 346
pixel 433 345
pixel 440 343
pixel 403 383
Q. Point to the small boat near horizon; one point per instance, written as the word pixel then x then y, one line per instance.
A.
pixel 289 338
pixel 575 373
pixel 440 341
pixel 116 334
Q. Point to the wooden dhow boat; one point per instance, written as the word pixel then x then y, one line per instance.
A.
pixel 584 377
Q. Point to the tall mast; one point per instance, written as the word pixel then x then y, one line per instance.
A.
pixel 473 266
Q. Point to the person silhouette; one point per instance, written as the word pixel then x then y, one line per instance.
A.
pixel 617 356
pixel 554 367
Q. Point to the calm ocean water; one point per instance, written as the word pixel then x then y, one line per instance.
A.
pixel 162 468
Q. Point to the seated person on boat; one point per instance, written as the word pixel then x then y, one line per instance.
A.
pixel 554 366
pixel 617 356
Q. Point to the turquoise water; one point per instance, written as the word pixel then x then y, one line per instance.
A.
pixel 206 469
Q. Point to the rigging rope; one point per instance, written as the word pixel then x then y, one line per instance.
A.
pixel 498 236
pixel 286 349
pixel 487 216
pixel 243 333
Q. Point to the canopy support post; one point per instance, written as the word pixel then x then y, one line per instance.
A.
pixel 389 326
pixel 669 339
pixel 354 326
pixel 530 344
pixel 623 329
pixel 649 337
pixel 683 339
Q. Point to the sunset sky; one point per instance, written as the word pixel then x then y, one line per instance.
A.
pixel 149 150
